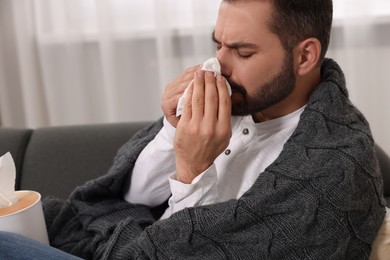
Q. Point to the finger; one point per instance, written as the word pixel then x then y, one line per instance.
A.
pixel 175 89
pixel 198 96
pixel 185 80
pixel 187 108
pixel 211 97
pixel 188 74
pixel 225 102
pixel 178 86
pixel 189 71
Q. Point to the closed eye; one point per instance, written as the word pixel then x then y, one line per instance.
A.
pixel 244 56
pixel 244 50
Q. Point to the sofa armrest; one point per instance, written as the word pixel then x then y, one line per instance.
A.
pixel 384 163
pixel 58 159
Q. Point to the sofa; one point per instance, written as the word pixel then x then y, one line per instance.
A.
pixel 54 160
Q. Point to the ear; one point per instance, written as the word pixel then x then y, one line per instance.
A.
pixel 307 55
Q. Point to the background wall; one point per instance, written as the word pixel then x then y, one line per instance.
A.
pixel 95 61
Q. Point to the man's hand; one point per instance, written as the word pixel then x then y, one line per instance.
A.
pixel 204 129
pixel 173 92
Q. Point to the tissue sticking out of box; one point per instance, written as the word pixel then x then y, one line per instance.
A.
pixel 211 64
pixel 7 181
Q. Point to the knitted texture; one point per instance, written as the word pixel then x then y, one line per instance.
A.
pixel 320 199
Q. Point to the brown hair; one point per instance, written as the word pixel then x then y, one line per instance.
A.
pixel 293 21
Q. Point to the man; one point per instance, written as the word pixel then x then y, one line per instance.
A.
pixel 304 185
pixel 259 63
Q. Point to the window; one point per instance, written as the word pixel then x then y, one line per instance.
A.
pixel 360 8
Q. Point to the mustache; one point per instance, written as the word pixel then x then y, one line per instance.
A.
pixel 237 87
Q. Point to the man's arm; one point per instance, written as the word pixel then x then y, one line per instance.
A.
pixel 204 129
pixel 210 120
pixel 149 181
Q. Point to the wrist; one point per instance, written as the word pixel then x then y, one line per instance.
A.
pixel 186 174
pixel 172 120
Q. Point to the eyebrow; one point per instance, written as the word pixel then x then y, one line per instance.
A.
pixel 235 45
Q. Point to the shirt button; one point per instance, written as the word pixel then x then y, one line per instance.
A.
pixel 245 131
pixel 228 151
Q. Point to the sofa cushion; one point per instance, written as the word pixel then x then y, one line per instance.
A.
pixel 58 159
pixel 15 141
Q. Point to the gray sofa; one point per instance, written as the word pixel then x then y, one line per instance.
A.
pixel 54 160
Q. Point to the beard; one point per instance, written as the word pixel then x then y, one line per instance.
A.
pixel 267 94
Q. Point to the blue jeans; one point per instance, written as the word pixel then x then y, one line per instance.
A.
pixel 16 247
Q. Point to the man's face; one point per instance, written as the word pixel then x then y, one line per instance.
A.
pixel 252 58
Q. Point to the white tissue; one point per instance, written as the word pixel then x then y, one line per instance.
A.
pixel 211 64
pixel 7 181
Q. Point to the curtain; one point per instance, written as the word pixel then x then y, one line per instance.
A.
pixel 360 43
pixel 68 62
pixel 93 61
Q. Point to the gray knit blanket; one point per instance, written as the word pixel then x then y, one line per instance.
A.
pixel 320 199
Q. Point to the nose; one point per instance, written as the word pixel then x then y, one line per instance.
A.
pixel 223 58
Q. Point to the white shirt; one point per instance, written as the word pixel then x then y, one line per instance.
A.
pixel 252 148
